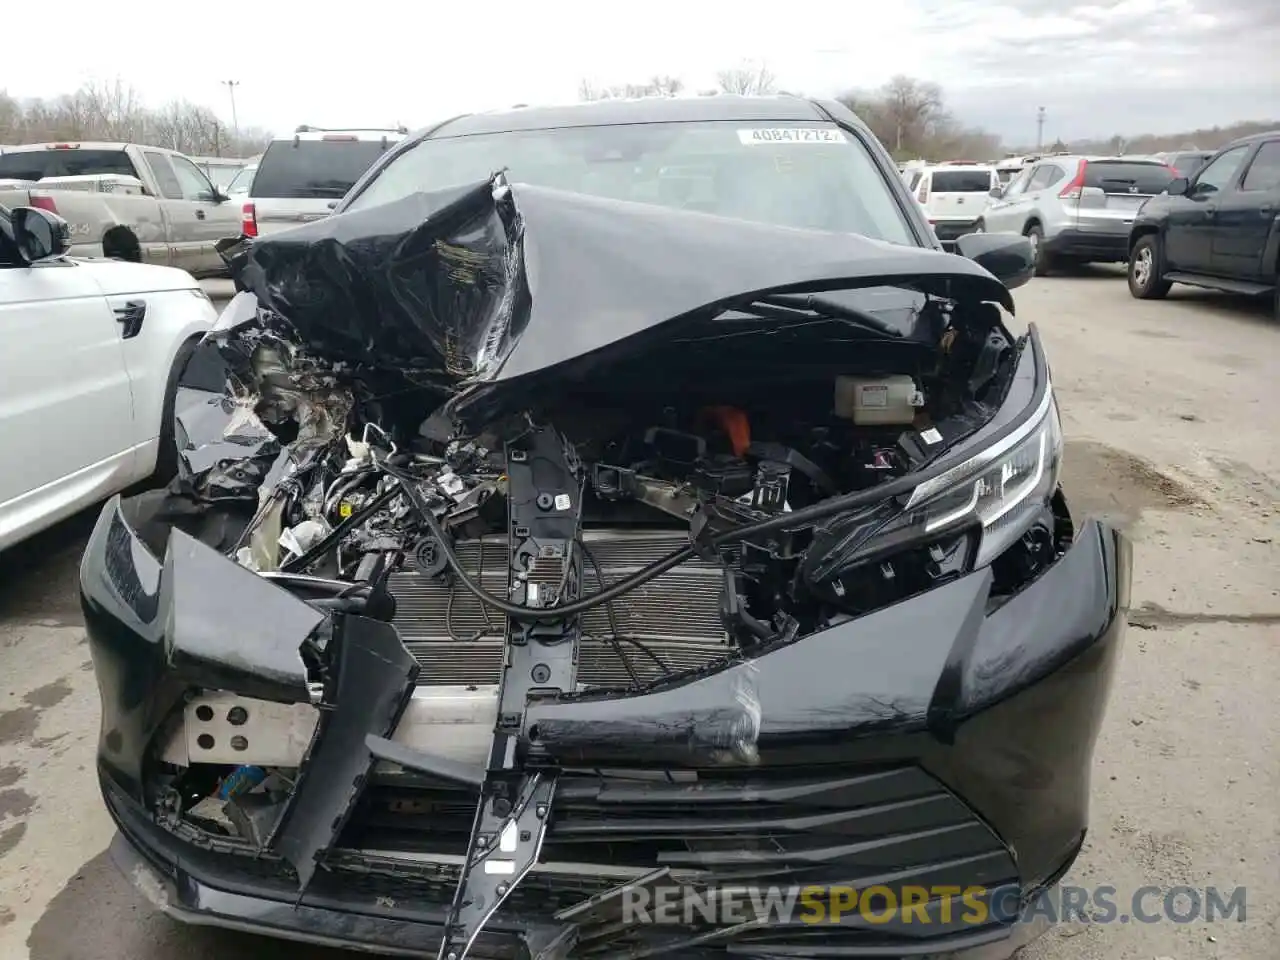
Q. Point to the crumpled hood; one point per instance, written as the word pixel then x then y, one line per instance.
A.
pixel 491 282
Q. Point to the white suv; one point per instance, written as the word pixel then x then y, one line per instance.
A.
pixel 302 178
pixel 1077 209
pixel 954 196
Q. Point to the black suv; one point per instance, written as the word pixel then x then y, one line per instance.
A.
pixel 1219 228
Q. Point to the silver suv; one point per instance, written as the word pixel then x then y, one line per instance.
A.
pixel 1076 209
pixel 302 178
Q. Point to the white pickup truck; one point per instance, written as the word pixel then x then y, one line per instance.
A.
pixel 139 203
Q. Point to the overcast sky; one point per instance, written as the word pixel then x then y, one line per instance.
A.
pixel 1098 67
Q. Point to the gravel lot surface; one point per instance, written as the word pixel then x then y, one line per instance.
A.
pixel 1170 410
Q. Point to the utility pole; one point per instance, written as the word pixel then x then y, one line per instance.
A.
pixel 1039 129
pixel 231 89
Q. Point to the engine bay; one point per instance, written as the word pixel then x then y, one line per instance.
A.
pixel 686 498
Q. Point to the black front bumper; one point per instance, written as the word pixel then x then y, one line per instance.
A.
pixel 1102 247
pixel 942 740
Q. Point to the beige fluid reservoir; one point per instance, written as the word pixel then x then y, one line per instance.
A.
pixel 878 401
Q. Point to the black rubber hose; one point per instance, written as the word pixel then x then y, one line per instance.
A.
pixel 660 566
pixel 514 611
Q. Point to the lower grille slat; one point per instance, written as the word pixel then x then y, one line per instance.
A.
pixel 828 825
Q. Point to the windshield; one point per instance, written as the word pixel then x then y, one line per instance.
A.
pixel 815 176
pixel 38 164
pixel 1188 164
pixel 221 174
pixel 240 183
pixel 314 168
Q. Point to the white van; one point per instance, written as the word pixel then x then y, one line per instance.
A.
pixel 954 195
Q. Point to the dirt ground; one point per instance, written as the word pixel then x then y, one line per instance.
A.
pixel 1170 410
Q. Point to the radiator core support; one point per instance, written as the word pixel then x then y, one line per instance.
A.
pixel 544 569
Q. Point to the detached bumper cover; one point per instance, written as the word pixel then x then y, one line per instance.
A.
pixel 942 740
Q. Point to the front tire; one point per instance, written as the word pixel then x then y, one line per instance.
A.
pixel 1146 281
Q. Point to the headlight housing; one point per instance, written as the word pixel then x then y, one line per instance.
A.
pixel 1000 489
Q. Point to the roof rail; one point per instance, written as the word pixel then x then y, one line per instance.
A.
pixel 307 128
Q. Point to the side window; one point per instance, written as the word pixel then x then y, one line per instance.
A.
pixel 1264 172
pixel 1221 173
pixel 1018 185
pixel 169 186
pixel 1043 176
pixel 195 185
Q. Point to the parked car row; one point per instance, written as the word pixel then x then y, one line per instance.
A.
pixel 1210 219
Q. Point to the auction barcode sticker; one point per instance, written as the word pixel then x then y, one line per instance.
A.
pixel 791 135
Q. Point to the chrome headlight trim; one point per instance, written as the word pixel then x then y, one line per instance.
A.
pixel 1001 489
pixel 931 488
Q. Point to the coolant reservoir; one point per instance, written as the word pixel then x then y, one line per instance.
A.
pixel 878 401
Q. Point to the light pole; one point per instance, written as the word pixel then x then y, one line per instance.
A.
pixel 231 89
pixel 1039 129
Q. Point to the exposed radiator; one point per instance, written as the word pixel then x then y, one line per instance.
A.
pixel 676 615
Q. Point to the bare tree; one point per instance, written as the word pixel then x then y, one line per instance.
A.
pixel 114 111
pixel 748 79
pixel 659 85
pixel 11 119
pixel 910 118
pixel 665 85
pixel 911 107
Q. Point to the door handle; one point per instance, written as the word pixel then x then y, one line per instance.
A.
pixel 1265 209
pixel 199 214
pixel 130 317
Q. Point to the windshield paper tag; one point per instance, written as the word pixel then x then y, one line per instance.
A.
pixel 791 135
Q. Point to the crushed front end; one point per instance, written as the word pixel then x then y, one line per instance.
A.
pixel 468 617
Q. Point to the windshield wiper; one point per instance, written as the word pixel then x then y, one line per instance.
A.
pixel 817 304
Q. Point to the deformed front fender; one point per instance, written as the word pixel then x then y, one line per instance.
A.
pixel 196 620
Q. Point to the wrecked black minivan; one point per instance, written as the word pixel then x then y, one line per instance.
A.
pixel 617 502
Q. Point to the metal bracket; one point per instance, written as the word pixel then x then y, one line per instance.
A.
pixel 544 519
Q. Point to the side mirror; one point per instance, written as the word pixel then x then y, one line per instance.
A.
pixel 39 234
pixel 1178 187
pixel 1006 256
pixel 995 193
pixel 220 197
pixel 333 204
